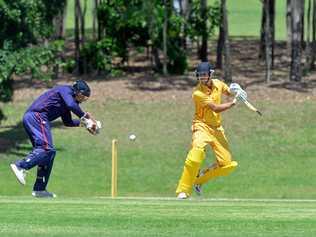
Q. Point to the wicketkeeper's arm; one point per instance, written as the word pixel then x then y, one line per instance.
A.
pixel 68 121
pixel 92 125
pixel 71 103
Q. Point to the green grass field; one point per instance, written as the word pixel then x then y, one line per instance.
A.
pixel 245 18
pixel 276 153
pixel 147 217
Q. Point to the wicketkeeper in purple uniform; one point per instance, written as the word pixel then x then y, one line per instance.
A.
pixel 57 102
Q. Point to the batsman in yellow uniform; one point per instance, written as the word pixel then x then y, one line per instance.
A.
pixel 207 130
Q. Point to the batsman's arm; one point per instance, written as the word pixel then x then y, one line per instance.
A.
pixel 228 92
pixel 206 101
pixel 218 108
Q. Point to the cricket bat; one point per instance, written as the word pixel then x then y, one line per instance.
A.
pixel 251 107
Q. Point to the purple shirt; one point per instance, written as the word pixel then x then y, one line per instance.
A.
pixel 58 102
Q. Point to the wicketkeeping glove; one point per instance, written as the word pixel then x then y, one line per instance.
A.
pixel 93 126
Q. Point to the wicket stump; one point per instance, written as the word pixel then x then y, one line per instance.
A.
pixel 114 168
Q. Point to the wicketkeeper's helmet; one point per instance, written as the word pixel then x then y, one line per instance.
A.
pixel 82 87
pixel 204 68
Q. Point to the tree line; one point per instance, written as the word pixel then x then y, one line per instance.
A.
pixel 32 35
pixel 299 42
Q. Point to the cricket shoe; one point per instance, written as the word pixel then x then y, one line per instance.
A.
pixel 43 194
pixel 182 196
pixel 20 173
pixel 198 189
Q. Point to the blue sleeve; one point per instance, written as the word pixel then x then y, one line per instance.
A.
pixel 68 121
pixel 70 102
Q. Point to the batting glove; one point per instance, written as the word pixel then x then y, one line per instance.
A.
pixel 241 95
pixel 234 88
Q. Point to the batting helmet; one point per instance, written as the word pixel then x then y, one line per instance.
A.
pixel 204 68
pixel 82 87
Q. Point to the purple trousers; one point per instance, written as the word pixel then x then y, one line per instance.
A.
pixel 38 129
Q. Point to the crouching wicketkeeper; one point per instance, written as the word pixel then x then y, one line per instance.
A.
pixel 57 102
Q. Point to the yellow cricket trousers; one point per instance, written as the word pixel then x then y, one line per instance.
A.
pixel 202 135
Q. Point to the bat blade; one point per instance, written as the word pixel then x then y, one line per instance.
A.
pixel 251 107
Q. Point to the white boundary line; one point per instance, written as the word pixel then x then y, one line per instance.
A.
pixel 211 199
pixel 28 199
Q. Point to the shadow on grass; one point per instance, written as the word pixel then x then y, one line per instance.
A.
pixel 303 87
pixel 139 72
pixel 11 137
pixel 26 82
pixel 151 83
pixel 14 138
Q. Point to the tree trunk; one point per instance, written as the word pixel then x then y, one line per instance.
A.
pixel 150 18
pixel 296 51
pixel 83 35
pixel 99 29
pixel 263 30
pixel 186 9
pixel 59 27
pixel 156 58
pixel 268 41
pixel 288 23
pixel 77 35
pixel 314 36
pixel 220 42
pixel 226 48
pixel 203 49
pixel 272 28
pixel 95 19
pixel 80 35
pixel 165 25
pixel 59 23
pixel 303 24
pixel 220 45
pixel 308 49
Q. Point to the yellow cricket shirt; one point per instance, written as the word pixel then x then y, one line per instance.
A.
pixel 202 95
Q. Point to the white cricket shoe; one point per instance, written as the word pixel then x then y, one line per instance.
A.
pixel 19 173
pixel 198 189
pixel 182 196
pixel 43 194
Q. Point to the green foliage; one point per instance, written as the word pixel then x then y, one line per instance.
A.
pixel 124 22
pixel 196 22
pixel 98 55
pixel 2 116
pixel 26 21
pixel 135 23
pixel 177 63
pixel 69 66
pixel 38 61
pixel 7 68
